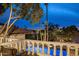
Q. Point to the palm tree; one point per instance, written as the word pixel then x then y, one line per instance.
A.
pixel 46 24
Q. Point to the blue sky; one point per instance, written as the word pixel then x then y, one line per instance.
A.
pixel 63 14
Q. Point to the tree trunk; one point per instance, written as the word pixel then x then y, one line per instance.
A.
pixel 4 26
pixel 44 35
pixel 8 23
pixel 37 35
pixel 41 35
pixel 12 24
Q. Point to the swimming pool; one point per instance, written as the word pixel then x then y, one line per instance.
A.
pixel 64 52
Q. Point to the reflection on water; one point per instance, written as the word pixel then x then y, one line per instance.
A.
pixel 46 51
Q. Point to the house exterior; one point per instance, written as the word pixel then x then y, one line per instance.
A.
pixel 21 33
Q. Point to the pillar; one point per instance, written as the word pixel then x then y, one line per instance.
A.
pixel 61 51
pixel 32 48
pixel 19 46
pixel 76 51
pixel 42 49
pixel 48 49
pixel 11 45
pixel 54 50
pixel 68 51
pixel 24 46
pixel 1 54
pixel 28 48
pixel 15 45
pixel 1 40
pixel 37 48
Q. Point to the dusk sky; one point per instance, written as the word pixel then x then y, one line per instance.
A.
pixel 63 14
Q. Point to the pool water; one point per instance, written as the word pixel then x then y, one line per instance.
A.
pixel 64 52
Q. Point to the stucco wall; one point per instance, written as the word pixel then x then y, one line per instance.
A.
pixel 18 36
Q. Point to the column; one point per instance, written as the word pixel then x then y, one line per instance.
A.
pixel 11 45
pixel 19 46
pixel 32 48
pixel 1 40
pixel 61 51
pixel 1 54
pixel 48 49
pixel 24 46
pixel 68 50
pixel 76 51
pixel 6 39
pixel 42 49
pixel 28 48
pixel 54 50
pixel 37 48
pixel 16 45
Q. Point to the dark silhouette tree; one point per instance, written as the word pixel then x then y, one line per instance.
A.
pixel 53 31
pixel 69 32
pixel 3 7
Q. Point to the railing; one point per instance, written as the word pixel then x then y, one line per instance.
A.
pixel 7 39
pixel 23 44
pixel 54 44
